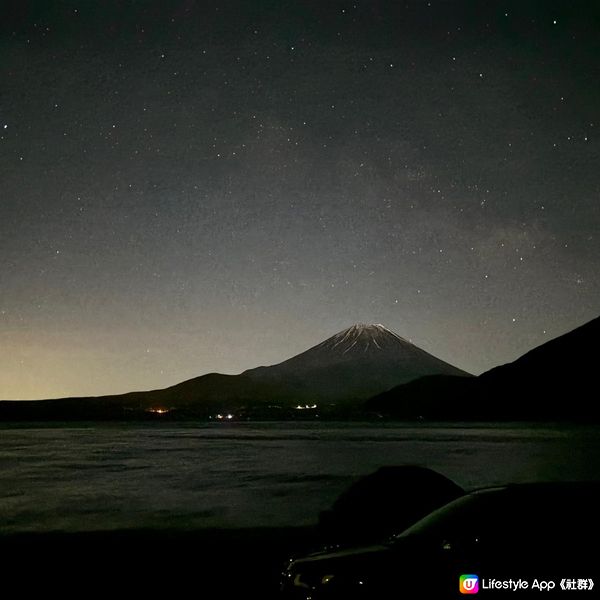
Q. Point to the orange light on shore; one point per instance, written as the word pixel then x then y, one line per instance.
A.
pixel 158 411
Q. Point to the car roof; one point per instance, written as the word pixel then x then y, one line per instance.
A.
pixel 542 487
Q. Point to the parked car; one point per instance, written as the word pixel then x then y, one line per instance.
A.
pixel 538 530
pixel 385 502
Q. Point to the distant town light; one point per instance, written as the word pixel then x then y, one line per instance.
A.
pixel 220 416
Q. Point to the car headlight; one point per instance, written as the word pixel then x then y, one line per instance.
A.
pixel 307 581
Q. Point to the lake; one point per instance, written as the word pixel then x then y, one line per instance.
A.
pixel 108 476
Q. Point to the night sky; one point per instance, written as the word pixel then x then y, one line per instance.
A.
pixel 195 186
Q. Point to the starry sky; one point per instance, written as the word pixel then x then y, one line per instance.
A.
pixel 195 186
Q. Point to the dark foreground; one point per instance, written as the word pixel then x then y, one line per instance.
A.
pixel 207 564
pixel 540 534
pixel 204 564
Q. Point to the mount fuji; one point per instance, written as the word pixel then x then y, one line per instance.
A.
pixel 338 374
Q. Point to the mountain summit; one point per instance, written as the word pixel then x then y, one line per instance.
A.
pixel 359 358
pixel 364 338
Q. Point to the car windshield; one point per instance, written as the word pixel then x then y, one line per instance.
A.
pixel 464 514
pixel 504 511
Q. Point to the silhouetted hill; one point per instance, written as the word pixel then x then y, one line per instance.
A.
pixel 336 376
pixel 556 380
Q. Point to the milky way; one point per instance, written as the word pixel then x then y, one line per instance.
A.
pixel 208 186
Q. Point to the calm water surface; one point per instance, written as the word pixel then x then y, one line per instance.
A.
pixel 90 476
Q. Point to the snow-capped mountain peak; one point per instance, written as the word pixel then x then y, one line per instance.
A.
pixel 363 336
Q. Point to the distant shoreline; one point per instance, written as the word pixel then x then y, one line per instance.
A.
pixel 185 423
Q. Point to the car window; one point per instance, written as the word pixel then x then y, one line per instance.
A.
pixel 502 513
pixel 466 515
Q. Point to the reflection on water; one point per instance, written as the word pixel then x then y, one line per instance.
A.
pixel 252 474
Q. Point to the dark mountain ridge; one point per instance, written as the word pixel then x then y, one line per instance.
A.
pixel 555 381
